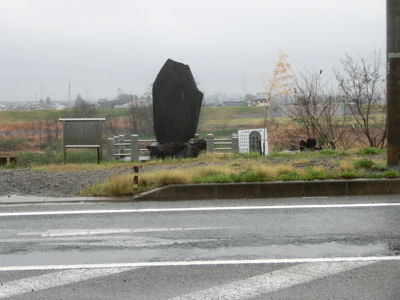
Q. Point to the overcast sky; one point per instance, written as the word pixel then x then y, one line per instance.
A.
pixel 104 45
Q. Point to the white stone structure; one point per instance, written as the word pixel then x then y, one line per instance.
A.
pixel 244 142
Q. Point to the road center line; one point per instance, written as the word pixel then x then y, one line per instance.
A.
pixel 196 209
pixel 53 279
pixel 202 263
pixel 273 281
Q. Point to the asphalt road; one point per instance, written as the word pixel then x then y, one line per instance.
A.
pixel 308 248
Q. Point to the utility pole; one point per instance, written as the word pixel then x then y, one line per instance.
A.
pixel 393 84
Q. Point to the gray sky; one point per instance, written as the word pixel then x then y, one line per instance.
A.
pixel 103 45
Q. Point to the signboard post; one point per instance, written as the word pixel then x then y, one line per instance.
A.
pixel 82 133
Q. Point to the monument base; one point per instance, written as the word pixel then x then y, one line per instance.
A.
pixel 176 149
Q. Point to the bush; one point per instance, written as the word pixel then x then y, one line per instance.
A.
pixel 364 163
pixel 391 174
pixel 370 151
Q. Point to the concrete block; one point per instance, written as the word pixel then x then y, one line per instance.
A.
pixel 280 189
pixel 110 150
pixel 238 190
pixel 210 142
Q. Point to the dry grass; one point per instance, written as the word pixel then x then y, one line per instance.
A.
pixel 117 186
pixel 346 165
pixel 164 177
pixel 242 168
pixel 303 161
pixel 270 171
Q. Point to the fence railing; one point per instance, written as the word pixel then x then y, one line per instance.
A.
pixel 118 147
pixel 222 145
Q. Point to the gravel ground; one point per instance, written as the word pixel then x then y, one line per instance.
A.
pixel 62 184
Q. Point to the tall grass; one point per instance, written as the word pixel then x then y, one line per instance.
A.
pixel 12 144
pixel 50 156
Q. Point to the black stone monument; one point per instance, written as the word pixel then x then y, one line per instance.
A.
pixel 176 103
pixel 176 110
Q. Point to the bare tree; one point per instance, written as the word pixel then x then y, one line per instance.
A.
pixel 318 113
pixel 140 119
pixel 362 85
pixel 280 83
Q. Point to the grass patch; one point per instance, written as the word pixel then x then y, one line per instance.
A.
pixel 364 163
pixel 50 156
pixel 333 152
pixel 228 168
pixel 9 166
pixel 371 151
pixel 315 173
pixel 391 174
pixel 374 176
pixel 291 176
pixel 247 155
pixel 349 174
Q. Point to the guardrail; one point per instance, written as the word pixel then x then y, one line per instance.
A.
pixel 118 147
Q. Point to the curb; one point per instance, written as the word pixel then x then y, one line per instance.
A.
pixel 280 189
pixel 244 190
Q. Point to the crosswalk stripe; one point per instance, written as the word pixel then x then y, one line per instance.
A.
pixel 53 279
pixel 273 281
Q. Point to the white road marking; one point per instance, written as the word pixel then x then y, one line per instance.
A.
pixel 53 279
pixel 203 263
pixel 115 241
pixel 105 231
pixel 195 209
pixel 273 281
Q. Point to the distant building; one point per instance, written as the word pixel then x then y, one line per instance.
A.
pixel 104 104
pixel 142 102
pixel 256 102
pixel 124 101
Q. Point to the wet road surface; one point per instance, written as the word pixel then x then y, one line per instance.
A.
pixel 343 248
